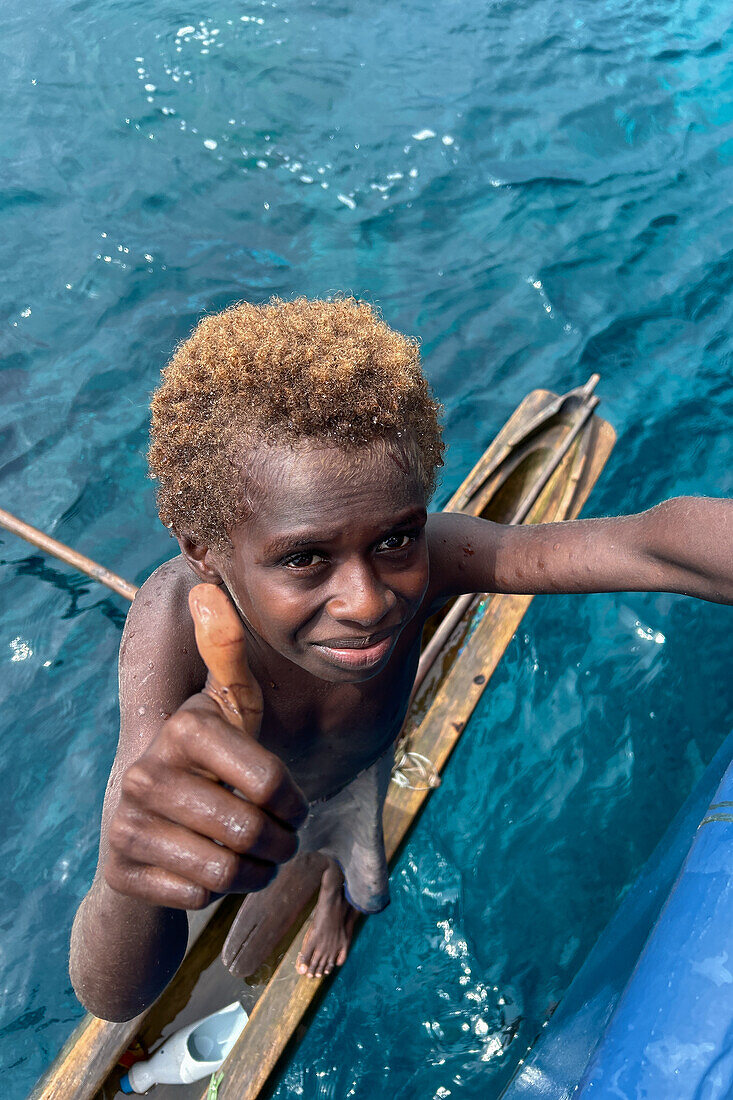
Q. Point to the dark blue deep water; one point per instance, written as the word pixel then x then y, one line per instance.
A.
pixel 536 189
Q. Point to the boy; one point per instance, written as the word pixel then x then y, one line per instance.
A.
pixel 296 446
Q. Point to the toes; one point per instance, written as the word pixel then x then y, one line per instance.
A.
pixel 305 966
pixel 318 964
pixel 321 965
pixel 327 962
pixel 326 944
pixel 309 961
pixel 305 955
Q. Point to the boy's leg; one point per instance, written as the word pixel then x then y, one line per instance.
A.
pixel 328 939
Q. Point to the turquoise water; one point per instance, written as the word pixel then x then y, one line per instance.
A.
pixel 537 191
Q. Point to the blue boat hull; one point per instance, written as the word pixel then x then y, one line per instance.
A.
pixel 650 1014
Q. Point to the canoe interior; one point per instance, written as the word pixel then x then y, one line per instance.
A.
pixel 86 1067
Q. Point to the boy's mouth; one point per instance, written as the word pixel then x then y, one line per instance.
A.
pixel 356 653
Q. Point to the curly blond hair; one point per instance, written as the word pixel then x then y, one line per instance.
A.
pixel 281 372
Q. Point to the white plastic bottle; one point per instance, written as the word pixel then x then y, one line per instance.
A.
pixel 190 1054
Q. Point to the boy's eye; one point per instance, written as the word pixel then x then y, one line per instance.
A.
pixel 396 542
pixel 309 559
pixel 303 560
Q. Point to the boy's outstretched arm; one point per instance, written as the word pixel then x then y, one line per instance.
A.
pixel 682 545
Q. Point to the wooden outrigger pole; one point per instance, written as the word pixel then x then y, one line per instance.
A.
pixel 64 553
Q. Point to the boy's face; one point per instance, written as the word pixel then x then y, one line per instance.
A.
pixel 332 564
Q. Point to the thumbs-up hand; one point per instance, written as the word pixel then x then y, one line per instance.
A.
pixel 206 810
pixel 221 642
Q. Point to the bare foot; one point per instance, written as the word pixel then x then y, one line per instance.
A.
pixel 328 939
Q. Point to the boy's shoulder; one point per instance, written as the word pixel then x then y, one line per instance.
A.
pixel 164 595
pixel 158 638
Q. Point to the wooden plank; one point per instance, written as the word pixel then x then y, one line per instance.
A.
pixel 280 1008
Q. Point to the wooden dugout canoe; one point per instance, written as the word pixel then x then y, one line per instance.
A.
pixel 540 468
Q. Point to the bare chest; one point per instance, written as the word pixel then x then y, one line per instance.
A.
pixel 327 739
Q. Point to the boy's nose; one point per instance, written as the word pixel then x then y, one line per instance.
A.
pixel 361 598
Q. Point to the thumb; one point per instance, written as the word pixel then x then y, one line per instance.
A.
pixel 221 641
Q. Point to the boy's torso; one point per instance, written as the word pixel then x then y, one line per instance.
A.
pixel 326 733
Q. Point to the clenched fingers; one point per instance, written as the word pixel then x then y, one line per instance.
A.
pixel 154 842
pixel 154 886
pixel 199 738
pixel 207 808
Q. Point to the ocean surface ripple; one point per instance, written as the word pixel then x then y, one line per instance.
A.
pixel 538 191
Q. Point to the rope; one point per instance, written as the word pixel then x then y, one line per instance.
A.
pixel 213 1089
pixel 413 764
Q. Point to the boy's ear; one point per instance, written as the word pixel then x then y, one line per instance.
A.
pixel 201 560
